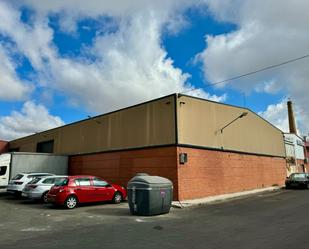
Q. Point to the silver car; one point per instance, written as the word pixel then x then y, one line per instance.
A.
pixel 38 188
pixel 18 182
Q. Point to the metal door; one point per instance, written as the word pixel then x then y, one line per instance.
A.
pixel 5 160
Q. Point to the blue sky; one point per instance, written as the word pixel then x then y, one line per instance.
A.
pixel 65 60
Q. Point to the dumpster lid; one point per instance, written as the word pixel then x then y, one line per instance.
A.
pixel 150 179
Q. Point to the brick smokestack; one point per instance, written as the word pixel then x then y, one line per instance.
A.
pixel 292 123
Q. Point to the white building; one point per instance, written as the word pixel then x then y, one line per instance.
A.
pixel 295 153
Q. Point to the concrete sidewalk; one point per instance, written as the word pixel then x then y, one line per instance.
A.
pixel 220 198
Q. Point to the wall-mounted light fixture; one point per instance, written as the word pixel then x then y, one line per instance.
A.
pixel 235 119
pixel 94 119
pixel 183 158
pixel 239 117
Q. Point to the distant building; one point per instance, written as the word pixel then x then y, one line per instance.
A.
pixel 295 153
pixel 206 148
pixel 4 146
pixel 294 146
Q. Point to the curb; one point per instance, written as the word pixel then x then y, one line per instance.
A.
pixel 220 198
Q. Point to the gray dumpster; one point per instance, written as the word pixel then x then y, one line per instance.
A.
pixel 149 195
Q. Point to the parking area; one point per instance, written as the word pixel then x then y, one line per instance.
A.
pixel 25 219
pixel 274 220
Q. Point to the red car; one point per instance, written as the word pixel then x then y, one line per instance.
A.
pixel 82 189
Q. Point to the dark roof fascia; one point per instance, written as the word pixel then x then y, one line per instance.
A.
pixel 123 149
pixel 227 150
pixel 175 145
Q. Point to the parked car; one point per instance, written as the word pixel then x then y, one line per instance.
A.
pixel 18 182
pixel 38 188
pixel 297 180
pixel 82 189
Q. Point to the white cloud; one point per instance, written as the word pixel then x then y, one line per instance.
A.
pixel 72 10
pixel 32 118
pixel 265 34
pixel 277 114
pixel 130 64
pixel 271 87
pixel 12 88
pixel 34 42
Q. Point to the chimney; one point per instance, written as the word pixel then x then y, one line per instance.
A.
pixel 292 123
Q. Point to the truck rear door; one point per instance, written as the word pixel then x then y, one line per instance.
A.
pixel 5 160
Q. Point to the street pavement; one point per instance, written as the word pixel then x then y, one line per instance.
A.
pixel 277 219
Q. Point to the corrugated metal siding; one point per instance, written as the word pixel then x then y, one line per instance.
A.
pixel 200 121
pixel 148 124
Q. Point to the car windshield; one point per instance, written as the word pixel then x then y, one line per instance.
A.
pixel 35 180
pixel 17 177
pixel 299 176
pixel 63 181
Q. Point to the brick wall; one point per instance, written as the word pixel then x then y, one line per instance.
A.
pixel 4 146
pixel 209 173
pixel 120 167
pixel 301 166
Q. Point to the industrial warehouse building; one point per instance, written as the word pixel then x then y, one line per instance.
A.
pixel 205 148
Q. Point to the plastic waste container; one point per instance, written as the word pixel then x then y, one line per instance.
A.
pixel 149 195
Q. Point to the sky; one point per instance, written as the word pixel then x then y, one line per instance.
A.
pixel 64 60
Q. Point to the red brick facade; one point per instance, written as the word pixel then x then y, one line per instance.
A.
pixel 120 167
pixel 4 146
pixel 301 166
pixel 207 173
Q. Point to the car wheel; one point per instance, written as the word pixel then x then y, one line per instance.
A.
pixel 117 198
pixel 17 194
pixel 44 197
pixel 70 202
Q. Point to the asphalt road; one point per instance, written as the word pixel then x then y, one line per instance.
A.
pixel 271 220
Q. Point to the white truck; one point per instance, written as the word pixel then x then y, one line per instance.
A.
pixel 13 163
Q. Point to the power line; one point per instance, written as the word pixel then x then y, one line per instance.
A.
pixel 250 73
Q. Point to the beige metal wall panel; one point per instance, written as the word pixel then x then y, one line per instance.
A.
pixel 200 121
pixel 148 124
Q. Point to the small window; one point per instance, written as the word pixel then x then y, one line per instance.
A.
pixel 99 183
pixel 45 147
pixel 3 170
pixel 82 182
pixel 17 177
pixel 49 181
